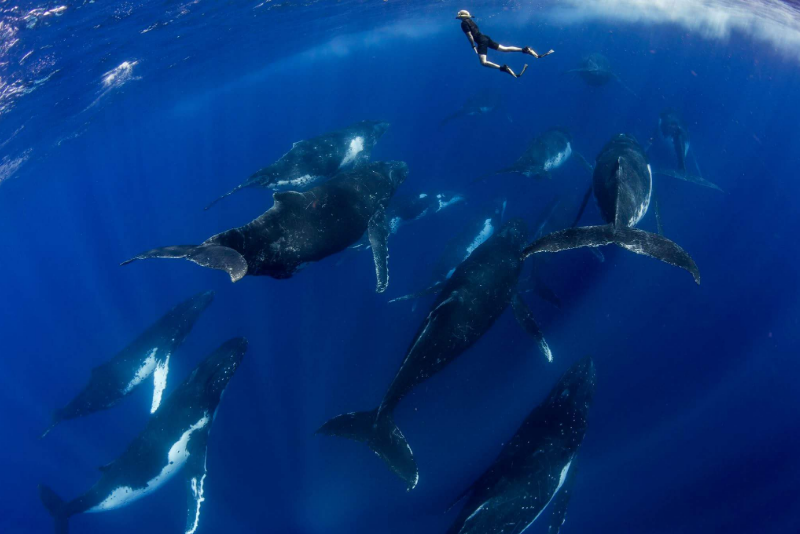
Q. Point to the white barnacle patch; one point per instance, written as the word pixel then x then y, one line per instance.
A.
pixel 176 458
pixel 197 494
pixel 355 148
pixel 559 159
pixel 142 372
pixel 300 182
pixel 159 382
pixel 485 233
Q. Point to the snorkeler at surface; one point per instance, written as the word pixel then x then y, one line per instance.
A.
pixel 481 43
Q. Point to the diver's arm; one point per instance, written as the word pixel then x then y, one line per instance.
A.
pixel 472 41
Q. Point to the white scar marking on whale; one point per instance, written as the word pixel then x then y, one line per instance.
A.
pixel 485 233
pixel 444 203
pixel 176 458
pixel 355 148
pixel 559 159
pixel 159 382
pixel 143 372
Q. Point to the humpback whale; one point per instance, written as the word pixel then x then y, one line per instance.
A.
pixel 174 440
pixel 405 209
pixel 301 228
pixel 595 70
pixel 672 131
pixel 622 185
pixel 546 153
pixel 483 102
pixel 477 293
pixel 475 233
pixel 313 160
pixel 149 354
pixel 536 467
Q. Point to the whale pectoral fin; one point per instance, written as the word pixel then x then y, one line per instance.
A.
pixel 583 161
pixel 692 178
pixel 212 256
pixel 378 232
pixel 435 288
pixel 195 475
pixel 561 501
pixel 528 323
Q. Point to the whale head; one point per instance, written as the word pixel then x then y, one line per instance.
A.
pixel 212 376
pixel 378 129
pixel 576 387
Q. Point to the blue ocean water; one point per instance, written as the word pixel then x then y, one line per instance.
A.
pixel 119 121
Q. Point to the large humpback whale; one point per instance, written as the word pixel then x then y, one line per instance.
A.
pixel 304 227
pixel 477 293
pixel 536 467
pixel 174 440
pixel 622 185
pixel 546 153
pixel 319 158
pixel 595 70
pixel 149 354
pixel 486 222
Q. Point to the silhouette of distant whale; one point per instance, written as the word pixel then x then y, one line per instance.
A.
pixel 301 228
pixel 149 354
pixel 483 102
pixel 175 439
pixel 536 467
pixel 313 160
pixel 622 185
pixel 595 70
pixel 546 153
pixel 471 300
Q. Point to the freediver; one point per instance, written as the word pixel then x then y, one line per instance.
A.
pixel 481 43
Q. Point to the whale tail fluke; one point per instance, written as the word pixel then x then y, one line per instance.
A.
pixel 56 508
pixel 211 256
pixel 380 434
pixel 632 239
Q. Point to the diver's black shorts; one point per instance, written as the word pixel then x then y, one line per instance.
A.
pixel 484 43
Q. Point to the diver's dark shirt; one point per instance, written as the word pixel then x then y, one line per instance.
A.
pixel 469 26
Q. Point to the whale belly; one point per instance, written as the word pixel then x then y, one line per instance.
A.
pixel 177 456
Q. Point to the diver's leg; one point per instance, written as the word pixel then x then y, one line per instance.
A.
pixel 486 63
pixel 501 48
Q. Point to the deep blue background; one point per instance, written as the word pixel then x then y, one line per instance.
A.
pixel 695 422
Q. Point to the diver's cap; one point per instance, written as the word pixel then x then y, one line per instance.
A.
pixel 463 14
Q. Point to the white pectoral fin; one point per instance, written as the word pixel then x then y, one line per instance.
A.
pixel 195 473
pixel 378 232
pixel 159 382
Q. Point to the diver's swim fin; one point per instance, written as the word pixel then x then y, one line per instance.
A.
pixel 632 239
pixel 524 68
pixel 540 56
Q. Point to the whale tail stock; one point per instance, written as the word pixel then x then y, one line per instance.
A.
pixel 632 239
pixel 212 256
pixel 379 432
pixel 56 507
